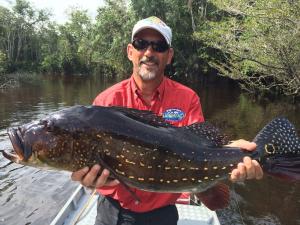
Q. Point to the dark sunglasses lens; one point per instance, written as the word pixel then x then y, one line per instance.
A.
pixel 160 46
pixel 140 44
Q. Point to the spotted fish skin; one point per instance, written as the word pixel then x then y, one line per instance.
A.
pixel 143 151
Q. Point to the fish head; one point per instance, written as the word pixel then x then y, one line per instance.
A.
pixel 40 144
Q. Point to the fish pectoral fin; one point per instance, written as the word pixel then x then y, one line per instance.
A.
pixel 216 197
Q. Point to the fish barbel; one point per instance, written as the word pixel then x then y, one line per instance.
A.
pixel 141 150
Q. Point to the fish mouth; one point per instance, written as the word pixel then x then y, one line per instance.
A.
pixel 18 153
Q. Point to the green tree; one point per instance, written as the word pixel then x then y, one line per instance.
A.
pixel 260 43
pixel 72 41
pixel 111 34
pixel 18 34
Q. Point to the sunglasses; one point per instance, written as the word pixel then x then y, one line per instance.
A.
pixel 158 46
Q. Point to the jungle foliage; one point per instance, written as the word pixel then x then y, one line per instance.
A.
pixel 254 42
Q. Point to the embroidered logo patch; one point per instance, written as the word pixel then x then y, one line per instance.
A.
pixel 173 115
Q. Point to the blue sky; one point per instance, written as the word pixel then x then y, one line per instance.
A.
pixel 58 7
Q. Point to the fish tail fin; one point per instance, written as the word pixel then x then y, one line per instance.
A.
pixel 278 149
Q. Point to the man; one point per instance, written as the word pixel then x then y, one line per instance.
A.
pixel 148 89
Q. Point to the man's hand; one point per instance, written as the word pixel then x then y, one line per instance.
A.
pixel 248 169
pixel 89 177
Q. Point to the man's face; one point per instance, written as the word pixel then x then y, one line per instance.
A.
pixel 148 63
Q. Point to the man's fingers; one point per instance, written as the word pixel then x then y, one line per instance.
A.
pixel 243 144
pixel 101 180
pixel 113 182
pixel 249 168
pixel 78 175
pixel 235 174
pixel 90 177
pixel 242 169
pixel 258 170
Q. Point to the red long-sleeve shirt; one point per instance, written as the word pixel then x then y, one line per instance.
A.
pixel 177 104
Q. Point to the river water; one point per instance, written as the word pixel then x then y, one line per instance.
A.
pixel 33 196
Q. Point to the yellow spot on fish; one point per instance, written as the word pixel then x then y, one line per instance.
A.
pixel 205 168
pixel 182 168
pixel 151 179
pixel 215 167
pixel 205 178
pixel 142 164
pixel 184 179
pixel 224 167
pixel 168 181
pixel 141 179
pixel 175 181
pixel 199 181
pixel 161 180
pixel 167 168
pixel 153 157
pixel 130 162
pixel 122 156
pixel 131 177
pixel 149 167
pixel 120 172
pixel 217 176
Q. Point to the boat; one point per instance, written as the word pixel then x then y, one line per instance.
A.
pixel 81 209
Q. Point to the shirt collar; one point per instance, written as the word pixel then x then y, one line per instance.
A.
pixel 158 92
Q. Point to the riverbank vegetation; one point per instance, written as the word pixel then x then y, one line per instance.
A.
pixel 256 42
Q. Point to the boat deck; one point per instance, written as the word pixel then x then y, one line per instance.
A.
pixel 81 209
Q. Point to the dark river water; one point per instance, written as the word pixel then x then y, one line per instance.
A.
pixel 32 196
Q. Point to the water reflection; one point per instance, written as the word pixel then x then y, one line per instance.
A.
pixel 27 190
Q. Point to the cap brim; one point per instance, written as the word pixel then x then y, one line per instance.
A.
pixel 149 27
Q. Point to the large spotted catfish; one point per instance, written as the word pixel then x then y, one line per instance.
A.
pixel 141 150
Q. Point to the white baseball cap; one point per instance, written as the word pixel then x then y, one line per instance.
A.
pixel 154 23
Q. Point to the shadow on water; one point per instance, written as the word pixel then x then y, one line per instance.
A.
pixel 32 196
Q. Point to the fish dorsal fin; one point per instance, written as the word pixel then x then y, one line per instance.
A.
pixel 143 116
pixel 209 132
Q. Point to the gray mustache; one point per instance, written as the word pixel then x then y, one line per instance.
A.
pixel 151 59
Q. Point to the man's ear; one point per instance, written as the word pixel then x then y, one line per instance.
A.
pixel 170 56
pixel 129 51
